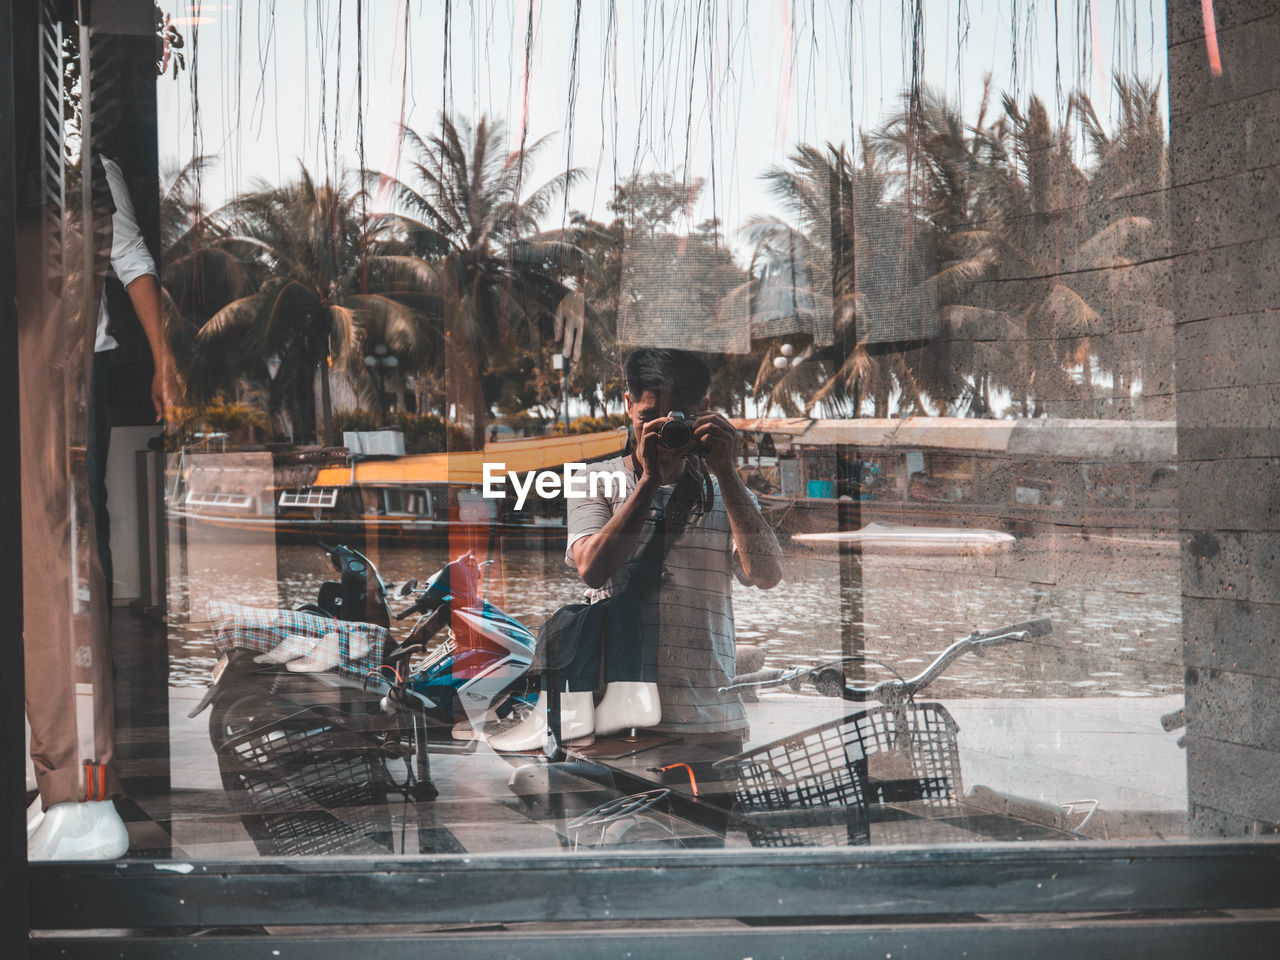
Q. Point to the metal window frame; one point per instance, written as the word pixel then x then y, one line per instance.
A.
pixel 234 501
pixel 323 498
pixel 405 492
pixel 1097 900
pixel 1166 899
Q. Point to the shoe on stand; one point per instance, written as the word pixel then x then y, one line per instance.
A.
pixel 577 723
pixel 78 831
pixel 627 706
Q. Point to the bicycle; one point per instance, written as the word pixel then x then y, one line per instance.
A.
pixel 818 787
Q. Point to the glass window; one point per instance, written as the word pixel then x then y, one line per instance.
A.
pixel 806 427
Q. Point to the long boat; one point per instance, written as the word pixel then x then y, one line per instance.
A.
pixel 399 498
pixel 1018 476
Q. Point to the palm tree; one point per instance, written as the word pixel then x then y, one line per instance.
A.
pixel 1075 256
pixel 1038 257
pixel 199 276
pixel 497 280
pixel 940 167
pixel 321 270
pixel 1129 218
pixel 858 256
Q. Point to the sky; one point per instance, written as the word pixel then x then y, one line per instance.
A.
pixel 714 91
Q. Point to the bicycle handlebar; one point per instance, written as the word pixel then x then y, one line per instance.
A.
pixel 978 640
pixel 898 688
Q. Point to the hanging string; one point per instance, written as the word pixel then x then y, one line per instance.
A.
pixel 197 149
pixel 444 59
pixel 688 117
pixel 570 119
pixel 337 98
pixel 322 47
pixel 360 185
pixel 524 103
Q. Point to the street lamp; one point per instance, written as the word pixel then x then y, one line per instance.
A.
pixel 785 361
pixel 380 363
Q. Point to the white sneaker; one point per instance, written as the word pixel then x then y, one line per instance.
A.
pixel 577 722
pixel 79 831
pixel 628 705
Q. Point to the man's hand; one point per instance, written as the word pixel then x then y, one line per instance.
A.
pixel 657 463
pixel 164 389
pixel 144 293
pixel 717 436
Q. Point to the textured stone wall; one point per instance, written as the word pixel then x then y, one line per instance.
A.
pixel 1225 201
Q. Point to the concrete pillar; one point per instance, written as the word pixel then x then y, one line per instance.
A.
pixel 1225 202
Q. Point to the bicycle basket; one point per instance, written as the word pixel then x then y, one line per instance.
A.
pixel 305 786
pixel 814 788
pixel 923 765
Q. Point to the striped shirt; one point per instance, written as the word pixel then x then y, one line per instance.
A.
pixel 690 616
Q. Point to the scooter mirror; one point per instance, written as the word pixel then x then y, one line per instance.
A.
pixel 408 587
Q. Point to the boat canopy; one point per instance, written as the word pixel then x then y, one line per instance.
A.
pixel 467 467
pixel 1137 441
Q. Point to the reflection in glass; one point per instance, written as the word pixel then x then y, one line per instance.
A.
pixel 939 312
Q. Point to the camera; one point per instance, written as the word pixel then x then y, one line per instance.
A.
pixel 676 433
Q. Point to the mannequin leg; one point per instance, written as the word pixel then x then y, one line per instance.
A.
pixel 631 672
pixel 97 449
pixel 630 650
pixel 578 651
pixel 68 661
pixel 628 705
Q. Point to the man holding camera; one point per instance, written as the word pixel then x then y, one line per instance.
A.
pixel 687 624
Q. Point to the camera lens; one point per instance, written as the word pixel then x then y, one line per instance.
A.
pixel 675 434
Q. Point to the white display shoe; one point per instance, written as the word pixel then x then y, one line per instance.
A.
pixel 79 831
pixel 31 767
pixel 324 655
pixel 35 817
pixel 577 722
pixel 292 647
pixel 628 705
pixel 469 730
pixel 318 661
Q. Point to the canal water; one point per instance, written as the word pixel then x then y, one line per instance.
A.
pixel 1115 605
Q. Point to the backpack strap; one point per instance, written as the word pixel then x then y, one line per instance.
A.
pixel 646 569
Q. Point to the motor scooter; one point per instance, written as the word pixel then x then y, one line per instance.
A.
pixel 335 664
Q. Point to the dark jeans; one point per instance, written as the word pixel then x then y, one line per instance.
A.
pixel 98 446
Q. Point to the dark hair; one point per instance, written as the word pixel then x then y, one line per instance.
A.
pixel 682 374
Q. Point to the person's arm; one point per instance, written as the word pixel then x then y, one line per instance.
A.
pixel 758 549
pixel 598 556
pixel 136 269
pixel 144 293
